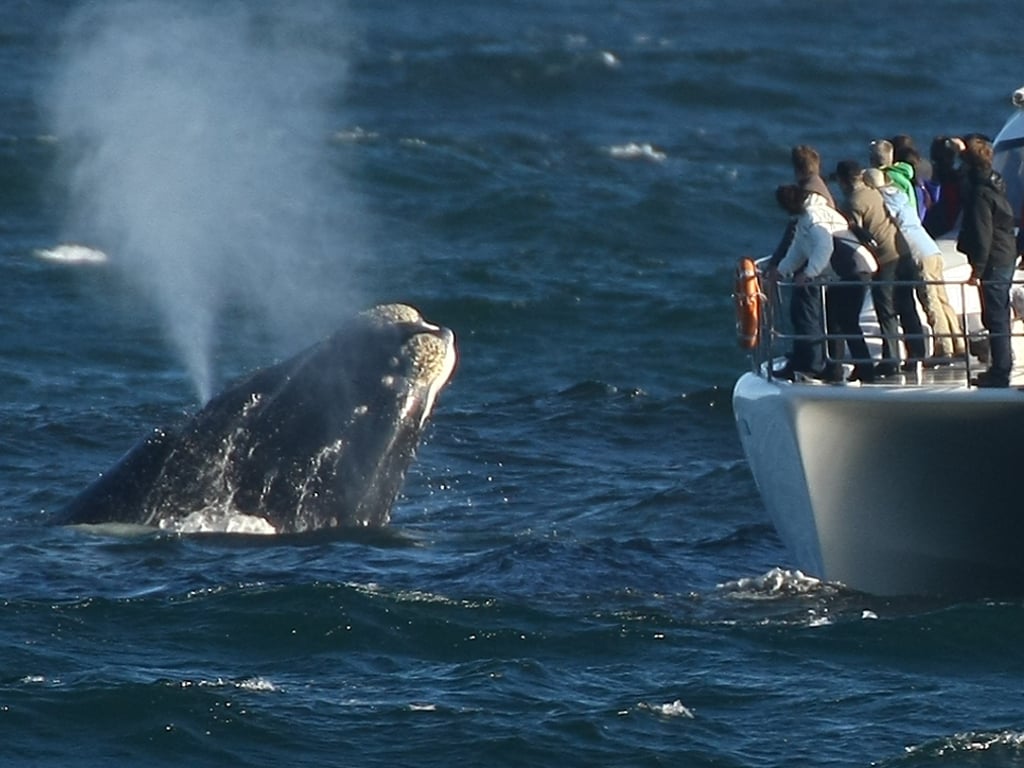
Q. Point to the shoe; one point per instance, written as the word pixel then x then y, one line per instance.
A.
pixel 939 361
pixel 911 365
pixel 809 377
pixel 834 373
pixel 990 380
pixel 865 374
pixel 789 373
pixel 785 372
pixel 886 369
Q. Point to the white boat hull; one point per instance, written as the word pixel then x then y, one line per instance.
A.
pixel 891 490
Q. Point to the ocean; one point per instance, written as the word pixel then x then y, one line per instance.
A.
pixel 582 572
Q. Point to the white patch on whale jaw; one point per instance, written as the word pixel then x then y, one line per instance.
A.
pixel 432 358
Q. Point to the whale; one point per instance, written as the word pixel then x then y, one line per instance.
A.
pixel 320 441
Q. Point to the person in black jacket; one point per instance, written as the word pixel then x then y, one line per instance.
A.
pixel 987 238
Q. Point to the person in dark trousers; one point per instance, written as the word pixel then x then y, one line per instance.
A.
pixel 988 240
pixel 894 304
pixel 807 263
pixel 844 300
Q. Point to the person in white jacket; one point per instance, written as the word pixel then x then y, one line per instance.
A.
pixel 808 262
pixel 947 332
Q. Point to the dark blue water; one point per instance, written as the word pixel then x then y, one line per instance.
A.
pixel 584 574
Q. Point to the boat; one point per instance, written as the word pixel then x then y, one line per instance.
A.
pixel 904 486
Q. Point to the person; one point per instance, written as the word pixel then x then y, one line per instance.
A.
pixel 904 149
pixel 893 304
pixel 844 301
pixel 806 164
pixel 807 262
pixel 921 178
pixel 807 171
pixel 944 214
pixel 987 238
pixel 948 341
pixel 882 156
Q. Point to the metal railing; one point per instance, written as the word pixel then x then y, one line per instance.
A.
pixel 775 336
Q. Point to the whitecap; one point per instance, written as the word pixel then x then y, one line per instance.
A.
pixel 774 583
pixel 635 151
pixel 672 709
pixel 960 743
pixel 355 135
pixel 259 684
pixel 72 253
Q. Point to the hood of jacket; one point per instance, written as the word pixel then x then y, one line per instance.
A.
pixel 901 169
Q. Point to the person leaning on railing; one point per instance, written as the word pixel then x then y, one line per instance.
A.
pixel 987 238
pixel 807 261
pixel 806 164
pixel 945 322
pixel 894 303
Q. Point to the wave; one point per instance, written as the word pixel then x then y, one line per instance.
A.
pixel 778 582
pixel 634 151
pixel 672 709
pixel 72 253
pixel 979 748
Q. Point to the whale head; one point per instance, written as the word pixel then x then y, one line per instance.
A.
pixel 319 441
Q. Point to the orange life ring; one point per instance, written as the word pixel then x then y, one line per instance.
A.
pixel 748 303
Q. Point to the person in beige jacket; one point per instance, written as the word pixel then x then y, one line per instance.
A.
pixel 894 305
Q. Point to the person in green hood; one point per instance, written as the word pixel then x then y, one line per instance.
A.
pixel 900 175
